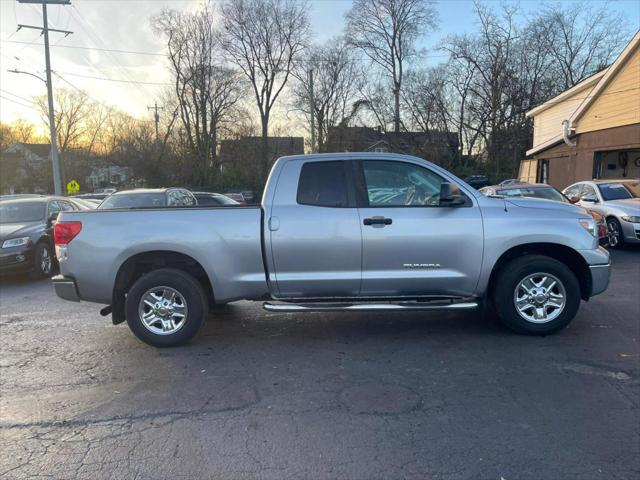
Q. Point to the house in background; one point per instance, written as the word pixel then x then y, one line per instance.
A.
pixel 435 146
pixel 26 168
pixel 108 176
pixel 591 130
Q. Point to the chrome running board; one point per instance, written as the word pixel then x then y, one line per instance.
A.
pixel 366 307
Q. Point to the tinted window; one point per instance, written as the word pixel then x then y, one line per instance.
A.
pixel 619 191
pixel 66 206
pixel 546 193
pixel 401 184
pixel 589 192
pixel 54 207
pixel 134 200
pixel 323 184
pixel 21 212
pixel 573 191
pixel 215 200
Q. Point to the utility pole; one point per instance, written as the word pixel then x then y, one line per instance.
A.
pixel 156 116
pixel 313 112
pixel 55 159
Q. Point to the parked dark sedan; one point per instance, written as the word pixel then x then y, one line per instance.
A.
pixel 207 198
pixel 477 181
pixel 26 233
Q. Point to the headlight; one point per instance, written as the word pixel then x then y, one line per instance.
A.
pixel 16 242
pixel 631 219
pixel 589 225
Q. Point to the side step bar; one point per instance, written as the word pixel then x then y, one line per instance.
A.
pixel 366 307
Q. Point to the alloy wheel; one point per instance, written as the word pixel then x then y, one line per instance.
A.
pixel 162 310
pixel 540 298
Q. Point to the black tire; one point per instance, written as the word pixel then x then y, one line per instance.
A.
pixel 519 269
pixel 193 297
pixel 43 268
pixel 616 237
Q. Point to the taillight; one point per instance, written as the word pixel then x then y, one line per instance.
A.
pixel 64 232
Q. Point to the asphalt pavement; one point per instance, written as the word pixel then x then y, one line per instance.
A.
pixel 320 396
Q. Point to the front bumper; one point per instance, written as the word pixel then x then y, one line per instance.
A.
pixel 16 260
pixel 630 231
pixel 599 264
pixel 600 275
pixel 65 288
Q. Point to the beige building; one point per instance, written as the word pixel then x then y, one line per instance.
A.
pixel 591 130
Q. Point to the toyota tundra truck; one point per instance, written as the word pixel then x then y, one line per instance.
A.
pixel 336 232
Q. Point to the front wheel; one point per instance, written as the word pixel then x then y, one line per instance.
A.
pixel 536 295
pixel 166 307
pixel 43 261
pixel 616 238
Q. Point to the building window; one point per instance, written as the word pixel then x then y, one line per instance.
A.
pixel 543 171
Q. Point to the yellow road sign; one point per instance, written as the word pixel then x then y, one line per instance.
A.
pixel 73 187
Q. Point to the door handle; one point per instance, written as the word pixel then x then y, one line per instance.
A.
pixel 377 221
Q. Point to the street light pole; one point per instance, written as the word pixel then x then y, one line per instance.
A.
pixel 55 158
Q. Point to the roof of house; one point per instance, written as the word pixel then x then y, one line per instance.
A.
pixel 604 81
pixel 40 149
pixel 597 82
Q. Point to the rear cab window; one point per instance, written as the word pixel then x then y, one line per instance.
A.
pixel 323 184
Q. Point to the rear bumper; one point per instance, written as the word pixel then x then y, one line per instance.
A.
pixel 65 288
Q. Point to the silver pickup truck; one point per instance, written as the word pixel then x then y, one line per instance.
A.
pixel 339 232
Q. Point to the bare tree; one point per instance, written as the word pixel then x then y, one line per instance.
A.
pixel 206 90
pixel 335 83
pixel 583 40
pixel 70 114
pixel 386 31
pixel 265 39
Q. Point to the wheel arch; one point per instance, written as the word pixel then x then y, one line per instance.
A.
pixel 562 253
pixel 141 263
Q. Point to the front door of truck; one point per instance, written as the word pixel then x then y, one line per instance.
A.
pixel 412 246
pixel 314 228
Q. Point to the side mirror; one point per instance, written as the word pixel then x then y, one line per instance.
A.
pixel 52 218
pixel 589 198
pixel 448 198
pixel 574 199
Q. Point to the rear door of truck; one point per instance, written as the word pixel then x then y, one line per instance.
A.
pixel 315 239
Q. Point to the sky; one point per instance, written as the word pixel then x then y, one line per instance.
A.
pixel 138 79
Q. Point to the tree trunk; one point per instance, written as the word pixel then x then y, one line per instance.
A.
pixel 264 157
pixel 396 116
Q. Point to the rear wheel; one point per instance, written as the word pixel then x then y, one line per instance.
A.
pixel 536 295
pixel 166 307
pixel 616 238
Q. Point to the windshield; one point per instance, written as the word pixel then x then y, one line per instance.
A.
pixel 134 200
pixel 18 212
pixel 547 193
pixel 619 190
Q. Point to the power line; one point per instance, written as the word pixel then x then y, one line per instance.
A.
pixel 120 80
pixel 7 92
pixel 18 103
pixel 112 50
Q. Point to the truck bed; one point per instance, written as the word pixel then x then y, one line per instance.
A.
pixel 225 241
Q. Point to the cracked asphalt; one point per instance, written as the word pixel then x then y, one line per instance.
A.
pixel 320 396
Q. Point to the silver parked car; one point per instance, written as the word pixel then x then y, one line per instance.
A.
pixel 617 200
